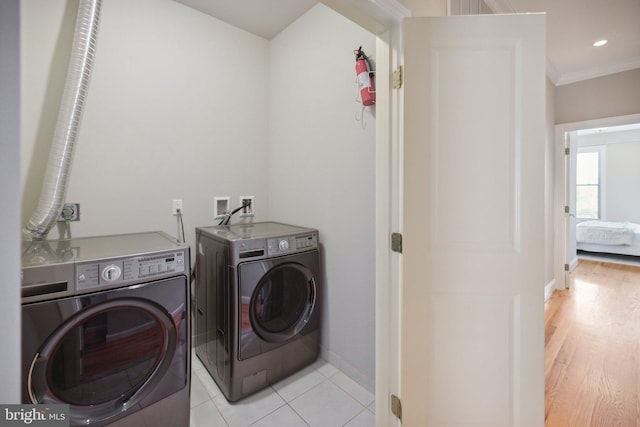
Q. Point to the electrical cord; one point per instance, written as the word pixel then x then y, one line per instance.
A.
pixel 180 227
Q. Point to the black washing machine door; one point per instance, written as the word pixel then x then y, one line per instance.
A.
pixel 107 353
pixel 278 301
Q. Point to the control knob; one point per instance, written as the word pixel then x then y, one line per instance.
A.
pixel 111 273
pixel 283 245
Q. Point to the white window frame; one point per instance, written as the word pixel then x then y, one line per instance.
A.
pixel 601 150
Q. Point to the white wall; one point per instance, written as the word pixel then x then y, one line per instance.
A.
pixel 182 105
pixel 10 191
pixel 177 108
pixel 623 182
pixel 322 173
pixel 622 174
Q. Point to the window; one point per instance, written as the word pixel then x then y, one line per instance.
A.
pixel 589 183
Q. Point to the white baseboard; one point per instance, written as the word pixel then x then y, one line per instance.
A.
pixel 573 264
pixel 549 288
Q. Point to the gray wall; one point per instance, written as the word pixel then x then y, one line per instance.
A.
pixel 607 96
pixel 10 191
pixel 611 96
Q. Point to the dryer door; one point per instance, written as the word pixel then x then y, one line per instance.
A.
pixel 104 353
pixel 278 301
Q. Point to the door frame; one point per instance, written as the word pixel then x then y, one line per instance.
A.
pixel 383 18
pixel 562 169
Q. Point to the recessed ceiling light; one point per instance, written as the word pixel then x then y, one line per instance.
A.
pixel 600 43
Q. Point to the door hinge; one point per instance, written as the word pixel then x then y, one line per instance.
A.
pixel 567 151
pixel 396 242
pixel 566 209
pixel 397 77
pixel 566 267
pixel 396 406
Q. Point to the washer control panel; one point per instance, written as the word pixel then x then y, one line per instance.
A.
pixel 290 244
pixel 123 271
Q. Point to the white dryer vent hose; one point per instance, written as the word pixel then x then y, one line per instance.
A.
pixel 52 195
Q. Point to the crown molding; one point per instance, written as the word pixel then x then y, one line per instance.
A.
pixel 593 73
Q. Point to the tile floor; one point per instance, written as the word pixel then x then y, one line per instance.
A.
pixel 317 396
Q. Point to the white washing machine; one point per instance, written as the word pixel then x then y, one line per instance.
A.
pixel 106 329
pixel 258 293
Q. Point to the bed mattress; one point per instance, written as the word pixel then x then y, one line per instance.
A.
pixel 608 237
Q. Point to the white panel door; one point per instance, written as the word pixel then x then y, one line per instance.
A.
pixel 472 350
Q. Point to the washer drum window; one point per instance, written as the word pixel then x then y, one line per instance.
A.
pixel 282 302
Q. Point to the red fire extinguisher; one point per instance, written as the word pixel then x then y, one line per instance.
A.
pixel 365 78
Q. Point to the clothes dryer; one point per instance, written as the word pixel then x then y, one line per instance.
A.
pixel 258 293
pixel 106 329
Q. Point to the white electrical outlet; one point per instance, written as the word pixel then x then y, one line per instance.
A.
pixel 177 207
pixel 220 206
pixel 248 206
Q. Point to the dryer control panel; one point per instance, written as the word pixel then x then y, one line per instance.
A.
pixel 290 244
pixel 124 271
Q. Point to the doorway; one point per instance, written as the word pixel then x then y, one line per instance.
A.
pixel 567 146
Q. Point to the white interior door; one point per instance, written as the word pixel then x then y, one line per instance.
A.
pixel 472 351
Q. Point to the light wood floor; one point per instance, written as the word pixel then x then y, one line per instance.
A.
pixel 592 348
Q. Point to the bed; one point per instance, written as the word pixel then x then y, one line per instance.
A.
pixel 608 237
